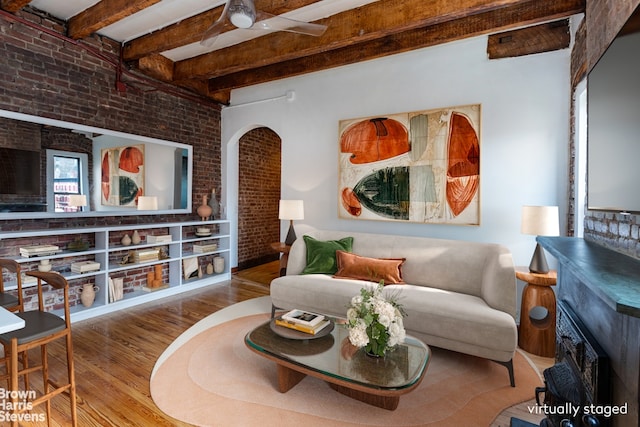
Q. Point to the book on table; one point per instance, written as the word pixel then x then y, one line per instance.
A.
pixel 303 317
pixel 312 330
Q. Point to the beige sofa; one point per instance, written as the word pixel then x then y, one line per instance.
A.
pixel 458 295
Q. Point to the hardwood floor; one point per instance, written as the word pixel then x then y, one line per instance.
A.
pixel 114 355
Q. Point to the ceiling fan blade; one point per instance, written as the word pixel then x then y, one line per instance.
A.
pixel 267 21
pixel 211 34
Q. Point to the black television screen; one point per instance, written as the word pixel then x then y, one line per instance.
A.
pixel 19 172
pixel 613 124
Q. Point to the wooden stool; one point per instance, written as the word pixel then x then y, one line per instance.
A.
pixel 284 250
pixel 537 333
pixel 41 328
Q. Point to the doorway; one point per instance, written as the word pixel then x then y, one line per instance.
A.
pixel 259 152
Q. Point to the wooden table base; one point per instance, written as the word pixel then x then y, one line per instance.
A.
pixel 384 402
pixel 288 378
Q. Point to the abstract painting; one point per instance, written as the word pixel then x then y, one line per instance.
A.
pixel 422 167
pixel 122 175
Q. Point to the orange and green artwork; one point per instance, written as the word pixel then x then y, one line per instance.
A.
pixel 122 175
pixel 419 167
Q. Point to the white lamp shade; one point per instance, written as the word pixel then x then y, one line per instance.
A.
pixel 77 200
pixel 291 209
pixel 147 203
pixel 540 220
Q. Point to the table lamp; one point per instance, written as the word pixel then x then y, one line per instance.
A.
pixel 290 210
pixel 540 221
pixel 147 203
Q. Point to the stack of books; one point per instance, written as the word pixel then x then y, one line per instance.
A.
pixel 303 321
pixel 84 267
pixel 146 255
pixel 204 247
pixel 165 238
pixel 39 250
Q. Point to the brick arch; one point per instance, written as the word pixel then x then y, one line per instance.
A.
pixel 258 196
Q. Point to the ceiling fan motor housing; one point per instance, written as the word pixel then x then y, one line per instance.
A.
pixel 242 13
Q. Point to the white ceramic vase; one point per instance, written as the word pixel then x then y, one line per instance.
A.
pixel 218 264
pixel 88 294
pixel 126 240
pixel 135 238
pixel 44 266
pixel 214 205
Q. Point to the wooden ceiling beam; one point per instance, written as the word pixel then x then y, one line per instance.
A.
pixel 13 5
pixel 526 41
pixel 190 30
pixel 490 22
pixel 367 23
pixel 102 14
pixel 161 68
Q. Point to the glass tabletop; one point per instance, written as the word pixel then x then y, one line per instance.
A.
pixel 334 356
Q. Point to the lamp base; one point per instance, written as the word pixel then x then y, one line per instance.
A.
pixel 291 235
pixel 539 261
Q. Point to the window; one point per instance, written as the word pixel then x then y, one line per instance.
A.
pixel 580 167
pixel 67 178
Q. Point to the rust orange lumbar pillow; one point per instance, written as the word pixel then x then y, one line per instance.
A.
pixel 352 266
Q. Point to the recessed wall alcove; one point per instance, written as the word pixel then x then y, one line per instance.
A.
pixel 258 195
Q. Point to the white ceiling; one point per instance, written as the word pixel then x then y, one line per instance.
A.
pixel 167 12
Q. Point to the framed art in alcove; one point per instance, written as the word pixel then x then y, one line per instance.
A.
pixel 422 166
pixel 122 175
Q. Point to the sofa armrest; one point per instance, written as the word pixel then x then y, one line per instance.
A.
pixel 499 282
pixel 297 259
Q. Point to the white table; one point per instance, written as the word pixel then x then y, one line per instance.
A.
pixel 9 321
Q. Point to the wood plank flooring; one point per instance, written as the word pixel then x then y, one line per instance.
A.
pixel 114 355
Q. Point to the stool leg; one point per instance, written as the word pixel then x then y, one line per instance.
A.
pixel 14 377
pixel 7 365
pixel 45 380
pixel 72 381
pixel 25 366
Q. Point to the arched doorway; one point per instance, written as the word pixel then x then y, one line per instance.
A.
pixel 259 161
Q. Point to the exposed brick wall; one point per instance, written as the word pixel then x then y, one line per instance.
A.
pixel 258 198
pixel 603 20
pixel 42 75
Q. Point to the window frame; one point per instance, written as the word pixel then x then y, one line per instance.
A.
pixel 83 177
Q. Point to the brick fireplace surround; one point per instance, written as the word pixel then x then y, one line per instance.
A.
pixel 601 286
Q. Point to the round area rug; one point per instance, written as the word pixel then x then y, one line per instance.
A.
pixel 208 377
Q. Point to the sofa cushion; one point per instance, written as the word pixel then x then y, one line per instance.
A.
pixel 455 316
pixel 354 266
pixel 321 255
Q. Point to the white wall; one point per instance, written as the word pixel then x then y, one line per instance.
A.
pixel 524 133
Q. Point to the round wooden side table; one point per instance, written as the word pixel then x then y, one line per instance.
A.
pixel 537 333
pixel 284 250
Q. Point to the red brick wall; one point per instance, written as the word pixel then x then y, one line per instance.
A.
pixel 603 20
pixel 259 195
pixel 44 76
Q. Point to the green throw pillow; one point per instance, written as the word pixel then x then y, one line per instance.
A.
pixel 321 255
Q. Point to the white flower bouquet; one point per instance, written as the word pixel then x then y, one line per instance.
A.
pixel 375 322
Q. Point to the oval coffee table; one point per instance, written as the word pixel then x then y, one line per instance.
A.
pixel 332 358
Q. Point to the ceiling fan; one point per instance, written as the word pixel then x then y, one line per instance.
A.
pixel 243 14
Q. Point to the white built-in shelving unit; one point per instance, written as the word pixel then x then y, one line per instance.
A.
pixel 106 248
